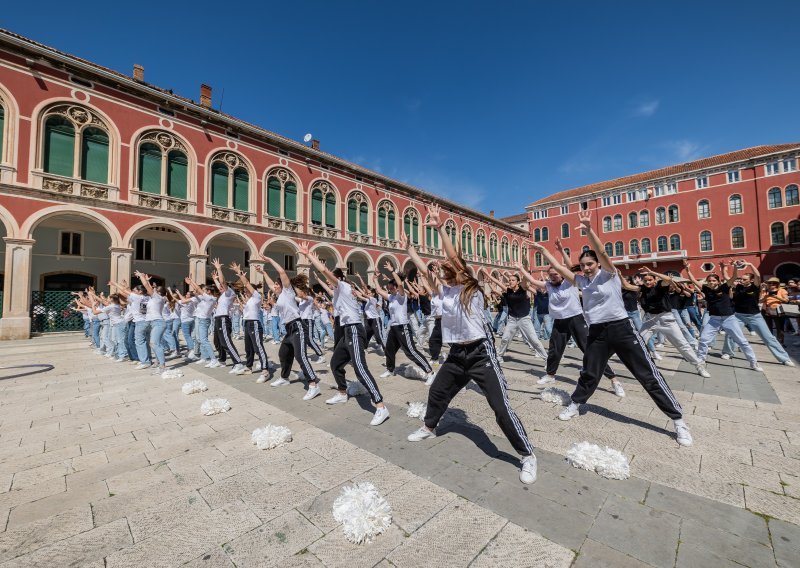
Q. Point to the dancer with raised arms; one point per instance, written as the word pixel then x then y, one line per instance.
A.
pixel 472 355
pixel 222 321
pixel 253 328
pixel 611 332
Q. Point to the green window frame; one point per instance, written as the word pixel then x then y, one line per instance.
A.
pixel 94 155
pixel 431 237
pixel 241 189
pixel 219 184
pixel 59 146
pixel 316 207
pixel 273 197
pixel 290 201
pixel 352 216
pixel 330 210
pixel 150 168
pixel 177 174
pixel 2 129
pixel 391 219
pixel 363 218
pixel 382 223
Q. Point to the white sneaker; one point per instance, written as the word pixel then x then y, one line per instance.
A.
pixel 656 355
pixel 702 371
pixel 386 374
pixel 279 382
pixel 319 360
pixel 202 362
pixel 527 472
pixel 381 415
pixel 212 364
pixel 618 390
pixel 238 370
pixel 429 378
pixel 261 379
pixel 684 437
pixel 752 333
pixel 569 412
pixel 789 363
pixel 546 379
pixel 757 367
pixel 256 366
pixel 420 434
pixel 726 356
pixel 141 366
pixel 158 370
pixel 338 398
pixel 313 391
pixel 191 356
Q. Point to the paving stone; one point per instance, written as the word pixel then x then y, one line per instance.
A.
pixel 785 542
pixel 41 490
pixel 232 488
pixel 690 556
pixel 726 545
pixel 334 550
pixel 273 542
pixel 629 527
pixel 341 468
pixel 516 547
pixel 89 461
pixel 386 477
pixel 414 503
pixel 45 507
pixel 118 506
pixel 105 471
pixel 465 481
pixel 39 459
pixel 582 497
pixel 284 463
pixel 28 537
pixel 151 522
pixel 319 508
pixel 594 554
pixel 778 506
pixel 213 558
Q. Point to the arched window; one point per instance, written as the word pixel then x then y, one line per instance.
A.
pixel 537 235
pixel 230 182
pixel 661 243
pixel 451 231
pixel 607 224
pixel 323 204
pixel 633 220
pixel 703 209
pixel 777 236
pixel 386 220
pixel 431 236
pixel 163 165
pixel 675 242
pixel 480 241
pixel 792 197
pixel 619 248
pixel 76 144
pixel 672 214
pixel 646 246
pixel 565 231
pixel 466 240
pixel 281 194
pixel 737 238
pixel 411 225
pixel 609 248
pixel 618 222
pixel 493 248
pixel 633 246
pixel 705 241
pixel 537 259
pixel 505 252
pixel 774 198
pixel 514 252
pixel 545 234
pixel 794 232
pixel 644 218
pixel 735 204
pixel 358 217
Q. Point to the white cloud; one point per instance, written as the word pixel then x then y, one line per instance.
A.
pixel 647 108
pixel 685 150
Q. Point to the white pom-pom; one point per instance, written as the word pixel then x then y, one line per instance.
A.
pixel 271 436
pixel 554 395
pixel 172 374
pixel 417 410
pixel 364 514
pixel 410 372
pixel 215 406
pixel 355 388
pixel 606 462
pixel 194 387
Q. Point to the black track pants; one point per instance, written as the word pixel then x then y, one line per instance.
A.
pixel 254 344
pixel 435 340
pixel 293 347
pixel 621 337
pixel 477 362
pixel 222 339
pixel 576 328
pixel 350 349
pixel 375 329
pixel 401 337
pixel 308 326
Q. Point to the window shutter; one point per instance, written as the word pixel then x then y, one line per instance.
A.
pixel 2 129
pixel 94 155
pixel 352 212
pixel 273 197
pixel 150 168
pixel 391 224
pixel 219 184
pixel 177 174
pixel 241 189
pixel 59 147
pixel 382 223
pixel 290 201
pixel 330 210
pixel 316 207
pixel 363 219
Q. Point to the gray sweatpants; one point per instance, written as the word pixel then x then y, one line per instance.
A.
pixel 525 327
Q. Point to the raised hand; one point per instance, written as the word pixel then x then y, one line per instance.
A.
pixel 188 280
pixel 403 241
pixel 303 247
pixel 388 266
pixel 434 216
pixel 235 267
pixel 559 245
pixel 217 264
pixel 259 268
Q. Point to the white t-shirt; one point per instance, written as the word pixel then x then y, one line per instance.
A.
pixel 371 308
pixel 114 312
pixel 324 317
pixel 172 313
pixel 155 307
pixel 436 306
pixel 602 297
pixel 345 305
pixel 252 308
pixel 398 315
pixel 224 303
pixel 205 306
pixel 102 316
pixel 287 305
pixel 564 300
pixel 188 310
pixel 135 306
pixel 306 308
pixel 458 326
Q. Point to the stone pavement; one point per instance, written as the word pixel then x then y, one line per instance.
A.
pixel 101 465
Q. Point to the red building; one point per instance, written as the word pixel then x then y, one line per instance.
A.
pixel 103 173
pixel 741 205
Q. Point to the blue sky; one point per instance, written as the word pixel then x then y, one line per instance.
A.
pixel 493 104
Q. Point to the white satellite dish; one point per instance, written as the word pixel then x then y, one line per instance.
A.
pixel 307 137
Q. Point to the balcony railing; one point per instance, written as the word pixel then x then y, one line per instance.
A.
pixel 78 187
pixel 283 224
pixel 650 257
pixel 358 238
pixel 326 232
pixel 162 202
pixel 226 214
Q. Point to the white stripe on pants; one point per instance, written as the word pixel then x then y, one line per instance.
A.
pixel 666 324
pixel 525 326
pixel 733 328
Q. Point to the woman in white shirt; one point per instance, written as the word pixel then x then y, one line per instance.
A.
pixel 472 355
pixel 612 331
pixel 253 328
pixel 154 319
pixel 222 322
pixel 206 299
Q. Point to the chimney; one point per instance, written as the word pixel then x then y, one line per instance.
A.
pixel 205 96
pixel 315 144
pixel 138 72
pixel 491 213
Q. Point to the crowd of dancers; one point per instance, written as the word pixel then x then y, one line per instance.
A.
pixel 588 305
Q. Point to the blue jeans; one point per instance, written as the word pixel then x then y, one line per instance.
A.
pixel 96 334
pixel 206 351
pixel 119 336
pixel 500 320
pixel 756 322
pixel 187 327
pixel 130 341
pixel 732 328
pixel 236 322
pixel 275 324
pixel 171 328
pixel 87 326
pixel 543 324
pixel 636 317
pixel 142 332
pixel 157 328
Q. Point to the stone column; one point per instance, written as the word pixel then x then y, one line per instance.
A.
pixel 121 263
pixel 254 276
pixel 16 320
pixel 303 268
pixel 197 267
